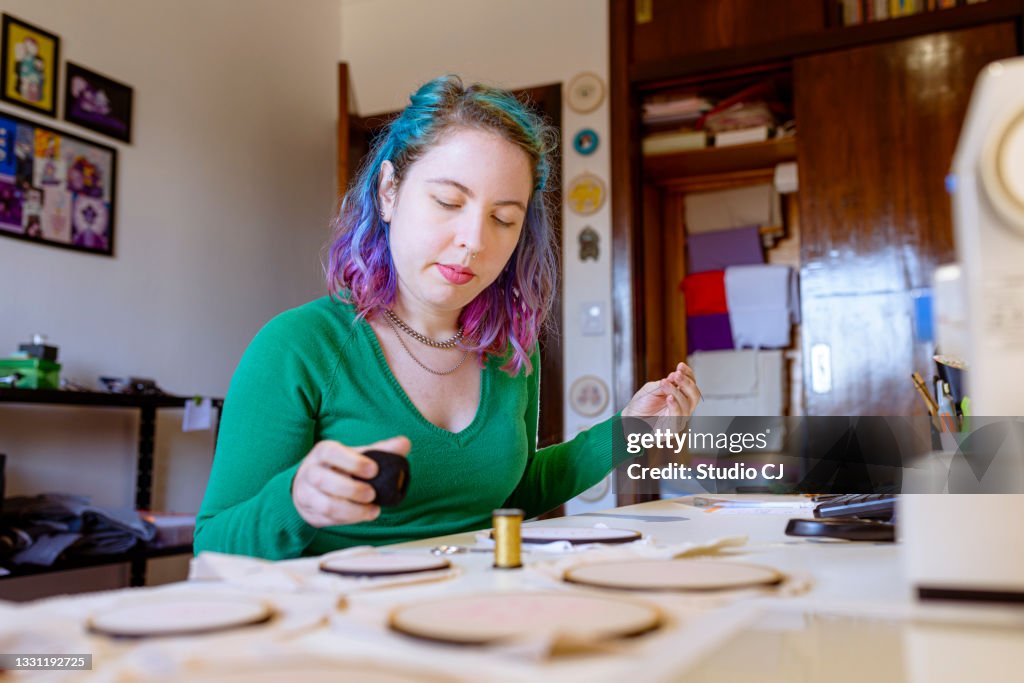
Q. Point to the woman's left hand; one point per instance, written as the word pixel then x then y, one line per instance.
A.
pixel 674 396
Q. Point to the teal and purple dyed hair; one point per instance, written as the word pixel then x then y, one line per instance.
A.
pixel 509 314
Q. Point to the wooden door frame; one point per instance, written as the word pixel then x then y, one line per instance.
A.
pixel 628 337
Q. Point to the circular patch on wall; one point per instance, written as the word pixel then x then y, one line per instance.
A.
pixel 585 93
pixel 597 491
pixel 588 396
pixel 585 194
pixel 585 142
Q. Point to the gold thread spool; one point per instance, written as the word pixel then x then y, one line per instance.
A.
pixel 507 538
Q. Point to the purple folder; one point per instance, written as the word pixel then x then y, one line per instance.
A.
pixel 722 248
pixel 708 332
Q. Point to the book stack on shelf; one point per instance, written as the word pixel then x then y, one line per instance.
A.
pixel 671 122
pixel 741 124
pixel 852 12
pixel 691 121
pixel 752 114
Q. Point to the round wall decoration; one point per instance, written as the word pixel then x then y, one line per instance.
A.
pixel 597 491
pixel 586 141
pixel 588 396
pixel 586 194
pixel 585 93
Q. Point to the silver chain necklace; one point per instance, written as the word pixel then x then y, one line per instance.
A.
pixel 422 338
pixel 401 341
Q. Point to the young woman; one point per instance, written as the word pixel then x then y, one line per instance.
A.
pixel 441 274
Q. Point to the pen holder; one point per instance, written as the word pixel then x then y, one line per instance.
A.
pixel 953 375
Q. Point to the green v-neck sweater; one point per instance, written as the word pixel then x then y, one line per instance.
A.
pixel 316 372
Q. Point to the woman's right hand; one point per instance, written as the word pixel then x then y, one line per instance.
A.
pixel 325 492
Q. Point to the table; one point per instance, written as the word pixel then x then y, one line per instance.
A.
pixel 857 620
pixel 869 571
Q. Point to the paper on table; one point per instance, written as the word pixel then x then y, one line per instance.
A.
pixel 787 512
pixel 554 569
pixel 689 626
pixel 56 625
pixel 656 519
pixel 780 501
pixel 795 583
pixel 359 633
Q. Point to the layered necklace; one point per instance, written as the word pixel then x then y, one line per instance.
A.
pixel 398 326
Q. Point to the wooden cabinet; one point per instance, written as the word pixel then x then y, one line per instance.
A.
pixel 681 28
pixel 877 130
pixel 878 108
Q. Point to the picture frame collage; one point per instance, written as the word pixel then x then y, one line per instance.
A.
pixel 57 188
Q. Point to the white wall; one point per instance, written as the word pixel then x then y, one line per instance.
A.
pixel 392 46
pixel 223 203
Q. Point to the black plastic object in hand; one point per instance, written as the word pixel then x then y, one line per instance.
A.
pixel 392 480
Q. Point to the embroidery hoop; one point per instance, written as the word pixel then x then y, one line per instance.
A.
pixel 590 382
pixel 585 92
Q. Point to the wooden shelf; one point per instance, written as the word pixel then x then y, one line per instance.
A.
pixel 657 75
pixel 100 399
pixel 83 562
pixel 716 160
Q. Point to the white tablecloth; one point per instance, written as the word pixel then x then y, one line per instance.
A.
pixel 343 622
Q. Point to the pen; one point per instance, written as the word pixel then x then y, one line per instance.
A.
pixel 922 389
pixel 947 396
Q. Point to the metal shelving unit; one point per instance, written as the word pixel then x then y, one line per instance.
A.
pixel 147 406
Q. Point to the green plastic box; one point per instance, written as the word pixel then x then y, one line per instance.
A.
pixel 35 372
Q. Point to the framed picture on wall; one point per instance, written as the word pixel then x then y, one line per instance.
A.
pixel 97 103
pixel 29 66
pixel 56 189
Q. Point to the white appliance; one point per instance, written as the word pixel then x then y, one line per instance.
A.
pixel 969 546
